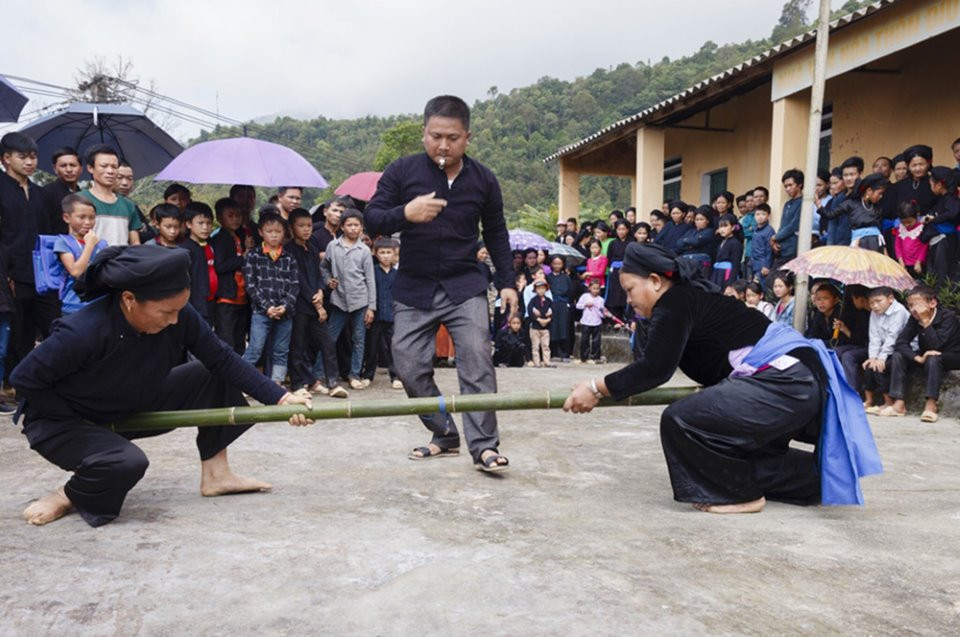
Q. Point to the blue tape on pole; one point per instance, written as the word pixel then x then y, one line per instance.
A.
pixel 442 403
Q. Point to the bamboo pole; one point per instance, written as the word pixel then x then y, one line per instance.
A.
pixel 453 403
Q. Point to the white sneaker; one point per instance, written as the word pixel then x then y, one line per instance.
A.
pixel 356 383
pixel 366 382
pixel 397 384
pixel 319 388
pixel 339 392
pixel 303 392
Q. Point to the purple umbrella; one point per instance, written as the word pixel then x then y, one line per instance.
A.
pixel 242 160
pixel 11 101
pixel 523 239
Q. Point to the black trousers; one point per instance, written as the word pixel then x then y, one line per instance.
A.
pixel 33 316
pixel 933 369
pixel 231 323
pixel 877 381
pixel 942 259
pixel 309 337
pixel 590 342
pixel 106 465
pixel 851 358
pixel 378 350
pixel 730 443
pixel 511 357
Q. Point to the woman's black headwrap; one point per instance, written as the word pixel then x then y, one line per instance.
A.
pixel 920 150
pixel 874 181
pixel 948 176
pixel 644 259
pixel 150 272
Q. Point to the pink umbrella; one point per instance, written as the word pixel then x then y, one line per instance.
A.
pixel 242 160
pixel 360 186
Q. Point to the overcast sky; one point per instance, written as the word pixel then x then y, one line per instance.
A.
pixel 357 57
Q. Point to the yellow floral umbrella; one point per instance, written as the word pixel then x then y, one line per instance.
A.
pixel 852 266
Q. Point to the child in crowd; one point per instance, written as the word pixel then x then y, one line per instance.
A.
pixel 753 297
pixel 937 333
pixel 676 228
pixel 309 335
pixel 862 208
pixel 76 249
pixel 540 311
pixel 909 249
pixel 177 195
pixel 736 290
pixel 591 303
pixel 231 313
pixel 761 253
pixel 887 319
pixel 347 270
pixel 203 275
pixel 748 225
pixel 783 290
pixel 596 265
pixel 701 244
pixel 380 336
pixel 824 324
pixel 729 252
pixel 854 324
pixel 272 284
pixel 642 232
pixel 510 346
pixel 169 222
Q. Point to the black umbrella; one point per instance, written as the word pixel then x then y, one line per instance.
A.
pixel 11 101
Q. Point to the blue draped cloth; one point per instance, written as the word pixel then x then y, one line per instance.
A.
pixel 847 449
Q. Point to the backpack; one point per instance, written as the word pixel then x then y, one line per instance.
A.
pixel 48 272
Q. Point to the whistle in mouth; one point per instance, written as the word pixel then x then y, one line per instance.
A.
pixel 442 162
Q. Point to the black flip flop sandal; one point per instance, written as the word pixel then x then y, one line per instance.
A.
pixel 426 454
pixel 492 464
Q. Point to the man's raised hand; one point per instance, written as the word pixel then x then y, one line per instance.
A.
pixel 424 208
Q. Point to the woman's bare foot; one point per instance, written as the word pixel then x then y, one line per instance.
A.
pixel 754 506
pixel 50 507
pixel 217 478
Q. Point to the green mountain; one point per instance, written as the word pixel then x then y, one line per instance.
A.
pixel 514 131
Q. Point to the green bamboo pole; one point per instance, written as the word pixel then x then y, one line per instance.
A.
pixel 329 410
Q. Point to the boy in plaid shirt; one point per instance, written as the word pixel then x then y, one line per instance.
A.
pixel 270 274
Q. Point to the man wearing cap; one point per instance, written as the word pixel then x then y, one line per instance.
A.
pixel 437 200
pixel 122 355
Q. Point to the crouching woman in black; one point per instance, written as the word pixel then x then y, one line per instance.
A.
pixel 122 355
pixel 728 446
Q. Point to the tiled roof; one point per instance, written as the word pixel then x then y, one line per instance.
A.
pixel 766 56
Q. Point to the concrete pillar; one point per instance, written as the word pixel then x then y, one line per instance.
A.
pixel 568 200
pixel 649 179
pixel 788 146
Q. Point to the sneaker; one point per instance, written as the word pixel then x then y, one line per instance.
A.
pixel 565 359
pixel 366 382
pixel 319 388
pixel 339 392
pixel 356 383
pixel 303 392
pixel 591 362
pixel 577 361
pixel 396 384
pixel 7 408
pixel 531 364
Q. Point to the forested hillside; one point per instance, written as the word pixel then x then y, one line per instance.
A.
pixel 514 131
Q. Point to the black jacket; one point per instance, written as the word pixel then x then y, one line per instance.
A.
pixel 21 220
pixel 227 262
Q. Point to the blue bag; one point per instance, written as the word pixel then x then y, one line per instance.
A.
pixel 47 270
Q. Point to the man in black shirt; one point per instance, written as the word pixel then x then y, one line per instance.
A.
pixel 437 200
pixel 67 167
pixel 24 214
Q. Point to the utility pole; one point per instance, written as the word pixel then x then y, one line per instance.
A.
pixel 813 153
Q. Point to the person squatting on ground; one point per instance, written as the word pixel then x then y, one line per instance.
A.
pixel 727 447
pixel 121 355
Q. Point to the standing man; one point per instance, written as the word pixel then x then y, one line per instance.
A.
pixel 784 243
pixel 124 187
pixel 67 167
pixel 24 213
pixel 288 200
pixel 117 220
pixel 438 200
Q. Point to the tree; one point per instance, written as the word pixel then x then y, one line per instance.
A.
pixel 403 139
pixel 792 22
pixel 102 82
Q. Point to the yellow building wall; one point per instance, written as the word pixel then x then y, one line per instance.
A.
pixel 877 115
pixel 745 153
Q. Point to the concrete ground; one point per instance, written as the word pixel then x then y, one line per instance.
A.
pixel 582 537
